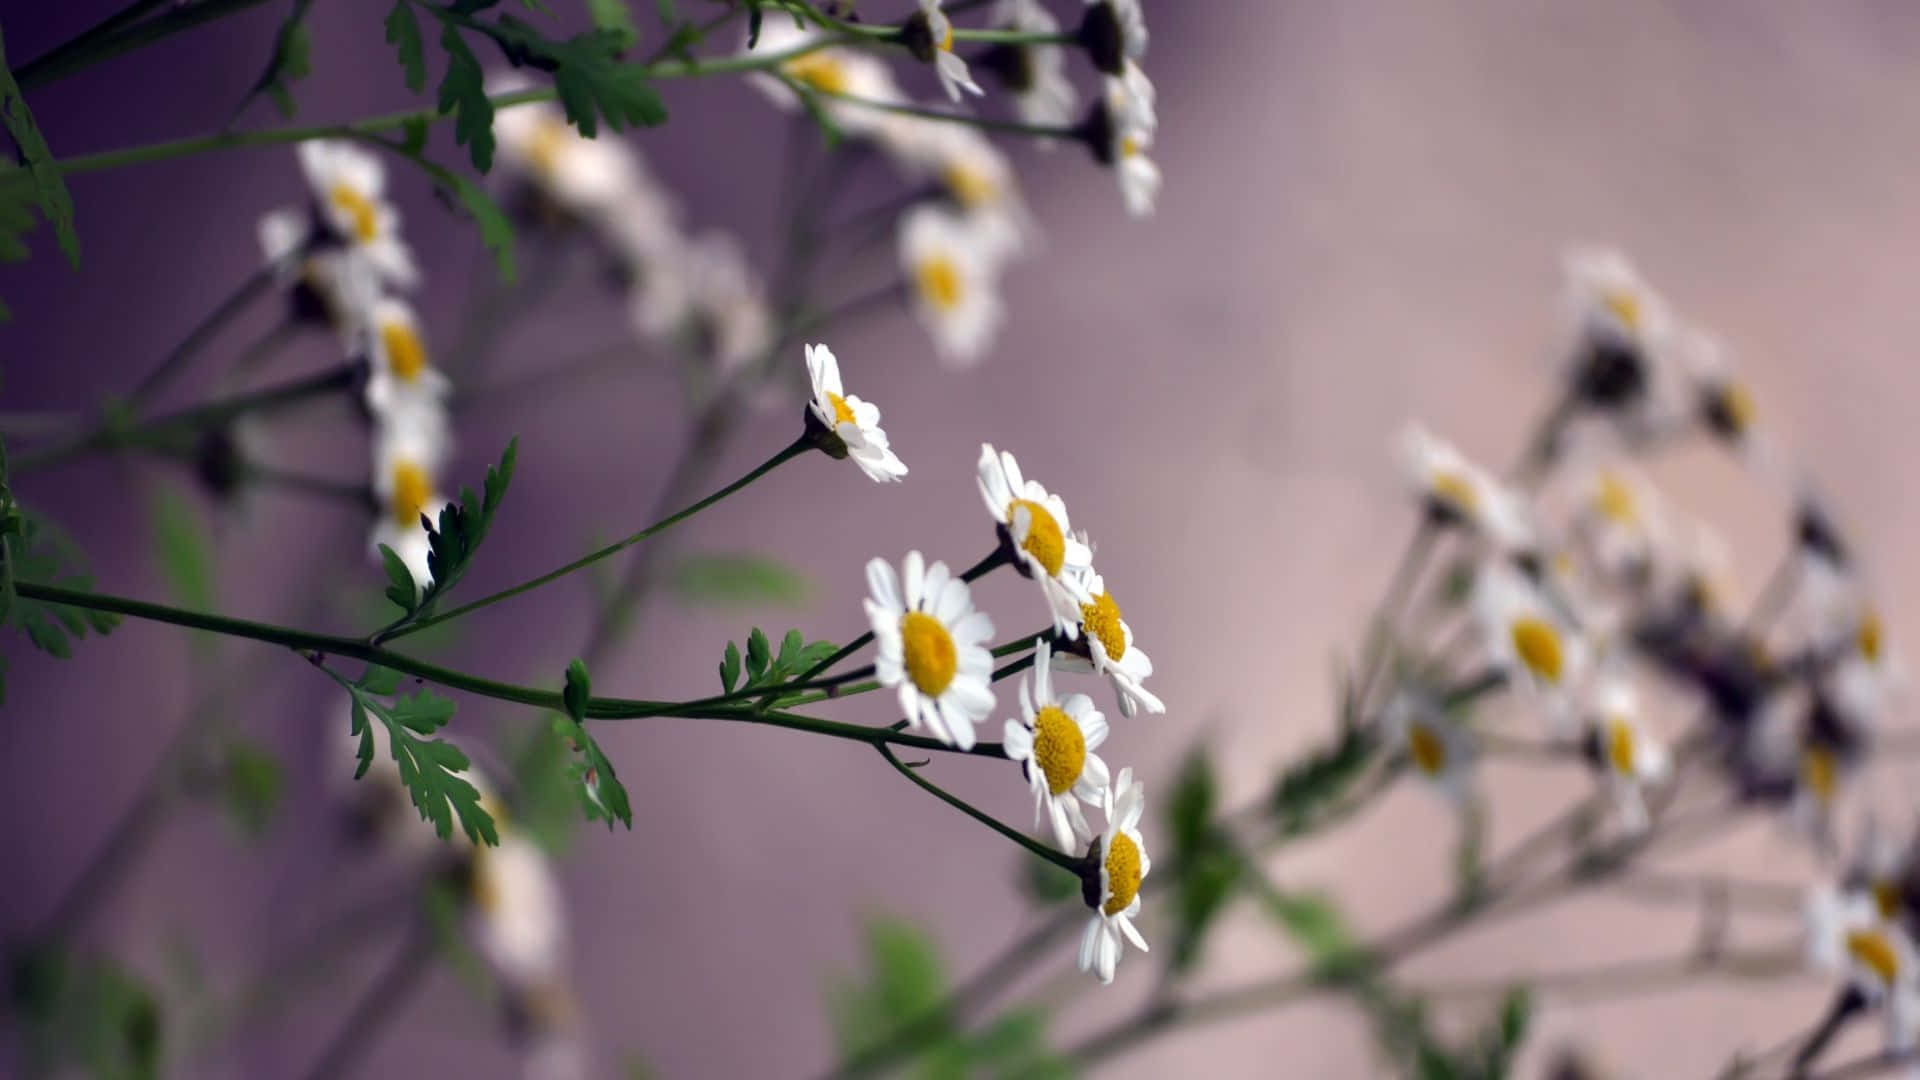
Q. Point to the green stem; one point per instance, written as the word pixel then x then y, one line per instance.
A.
pixel 884 32
pixel 796 448
pixel 1004 127
pixel 121 33
pixel 175 362
pixel 1074 865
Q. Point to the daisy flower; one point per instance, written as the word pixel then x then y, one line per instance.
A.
pixel 1113 32
pixel 929 35
pixel 952 266
pixel 1121 131
pixel 407 455
pixel 932 647
pixel 1123 866
pixel 854 424
pixel 1621 748
pixel 1620 333
pixel 833 74
pixel 1035 527
pixel 1724 406
pixel 329 286
pixel 1036 74
pixel 581 176
pixel 1442 749
pixel 1455 491
pixel 979 179
pixel 1054 744
pixel 349 188
pixel 1527 638
pixel 1108 639
pixel 1619 521
pixel 518 917
pixel 1881 867
pixel 728 320
pixel 1847 936
pixel 402 376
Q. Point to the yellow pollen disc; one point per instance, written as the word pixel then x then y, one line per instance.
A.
pixel 1455 490
pixel 549 141
pixel 1868 636
pixel 1429 750
pixel 938 279
pixel 411 490
pixel 1058 747
pixel 359 209
pixel 1101 620
pixel 1129 146
pixel 824 73
pixel 1538 644
pixel 1871 950
pixel 1620 746
pixel 946 43
pixel 1737 402
pixel 406 356
pixel 1820 771
pixel 930 655
pixel 971 186
pixel 1614 499
pixel 1886 897
pixel 1123 873
pixel 1625 307
pixel 1044 540
pixel 842 412
pixel 486 895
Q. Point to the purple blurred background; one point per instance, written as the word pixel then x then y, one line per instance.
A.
pixel 1364 209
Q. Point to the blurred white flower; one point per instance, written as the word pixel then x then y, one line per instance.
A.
pixel 1036 74
pixel 980 179
pixel 726 309
pixel 402 378
pixel 330 285
pixel 1441 748
pixel 1456 491
pixel 408 452
pixel 1847 937
pixel 1123 131
pixel 952 267
pixel 1054 744
pixel 855 422
pixel 954 76
pixel 931 647
pixel 1625 753
pixel 1528 639
pixel 1114 31
pixel 349 187
pixel 833 74
pixel 1043 541
pixel 1123 866
pixel 518 916
pixel 581 176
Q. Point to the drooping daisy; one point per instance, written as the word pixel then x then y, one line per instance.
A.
pixel 1120 131
pixel 580 176
pixel 952 267
pixel 1108 640
pixel 1847 936
pixel 1624 752
pixel 1620 522
pixel 1113 32
pixel 932 647
pixel 979 179
pixel 407 456
pixel 1042 539
pixel 1882 866
pixel 1455 491
pixel 1441 748
pixel 929 35
pixel 518 917
pixel 1527 637
pixel 1621 335
pixel 402 376
pixel 1036 74
pixel 1054 744
pixel 330 287
pixel 728 319
pixel 853 422
pixel 1123 866
pixel 349 188
pixel 833 74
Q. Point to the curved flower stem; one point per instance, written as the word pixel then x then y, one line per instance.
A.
pixel 1077 866
pixel 123 32
pixel 792 450
pixel 1004 127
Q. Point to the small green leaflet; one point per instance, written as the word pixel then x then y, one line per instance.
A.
pixel 764 669
pixel 496 232
pixel 463 92
pixel 451 542
pixel 47 189
pixel 33 549
pixel 403 33
pixel 602 796
pixel 429 768
pixel 291 61
pixel 615 17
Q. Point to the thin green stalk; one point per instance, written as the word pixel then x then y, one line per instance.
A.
pixel 175 362
pixel 883 32
pixel 1070 863
pixel 796 448
pixel 985 123
pixel 121 33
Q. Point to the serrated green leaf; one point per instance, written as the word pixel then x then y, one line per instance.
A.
pixel 904 983
pixel 579 688
pixel 400 587
pixel 50 190
pixel 738 580
pixel 757 656
pixel 403 33
pixel 1314 782
pixel 729 668
pixel 463 92
pixel 431 770
pixel 591 82
pixel 290 62
pixel 423 711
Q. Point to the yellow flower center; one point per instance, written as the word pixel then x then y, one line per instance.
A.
pixel 1886 897
pixel 1123 873
pixel 1044 540
pixel 1624 306
pixel 842 412
pixel 1455 490
pixel 411 490
pixel 1129 146
pixel 1868 637
pixel 359 209
pixel 406 355
pixel 1620 746
pixel 931 657
pixel 1058 747
pixel 1615 501
pixel 548 143
pixel 946 40
pixel 971 186
pixel 1820 772
pixel 1429 750
pixel 1101 620
pixel 1871 950
pixel 938 278
pixel 820 71
pixel 1736 401
pixel 1538 644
